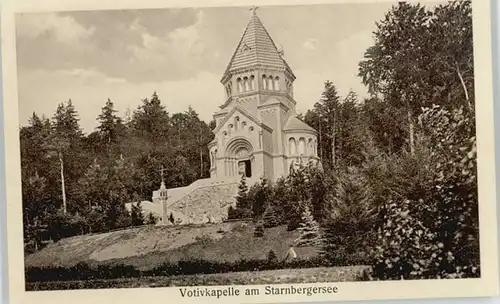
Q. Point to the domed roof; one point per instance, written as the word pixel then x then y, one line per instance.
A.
pixel 295 124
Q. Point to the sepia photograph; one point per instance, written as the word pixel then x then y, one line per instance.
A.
pixel 271 152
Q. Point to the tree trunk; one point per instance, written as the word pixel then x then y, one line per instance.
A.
pixel 320 141
pixel 201 162
pixel 463 86
pixel 411 128
pixel 334 135
pixel 63 190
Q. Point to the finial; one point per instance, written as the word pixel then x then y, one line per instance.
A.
pixel 254 10
pixel 161 173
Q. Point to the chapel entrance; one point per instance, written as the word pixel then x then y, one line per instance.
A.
pixel 245 168
pixel 240 158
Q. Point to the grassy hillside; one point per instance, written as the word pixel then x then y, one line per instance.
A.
pixel 148 247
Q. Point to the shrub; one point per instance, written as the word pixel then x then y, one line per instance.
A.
pixel 259 230
pixel 308 229
pixel 272 258
pixel 348 233
pixel 434 233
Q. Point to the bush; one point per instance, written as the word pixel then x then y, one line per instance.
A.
pixel 272 258
pixel 259 231
pixel 308 229
pixel 434 233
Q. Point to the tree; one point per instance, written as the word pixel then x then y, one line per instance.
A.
pixel 324 119
pixel 137 215
pixel 272 258
pixel 259 230
pixel 259 195
pixel 243 208
pixel 308 229
pixel 271 216
pixel 65 142
pixel 111 128
pixel 421 57
pixel 433 231
pixel 348 229
pixel 151 121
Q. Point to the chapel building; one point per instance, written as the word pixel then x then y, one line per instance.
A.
pixel 257 131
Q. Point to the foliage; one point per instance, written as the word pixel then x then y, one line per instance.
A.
pixel 259 230
pixel 436 235
pixel 105 169
pixel 271 217
pixel 258 195
pixel 243 207
pixel 348 231
pixel 308 229
pixel 137 215
pixel 272 258
pixel 398 66
pixel 180 274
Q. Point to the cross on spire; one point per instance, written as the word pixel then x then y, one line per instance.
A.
pixel 254 9
pixel 162 170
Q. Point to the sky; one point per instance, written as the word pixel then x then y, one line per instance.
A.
pixel 126 55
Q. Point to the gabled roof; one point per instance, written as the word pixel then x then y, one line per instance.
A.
pixel 244 113
pixel 295 124
pixel 256 47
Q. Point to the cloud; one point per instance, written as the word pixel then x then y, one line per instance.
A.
pixel 311 44
pixel 64 29
pixel 181 50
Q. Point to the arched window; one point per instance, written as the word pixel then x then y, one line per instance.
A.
pixel 310 147
pixel 239 85
pixel 270 83
pixel 246 84
pixel 264 82
pixel 252 82
pixel 277 83
pixel 302 146
pixel 243 125
pixel 292 146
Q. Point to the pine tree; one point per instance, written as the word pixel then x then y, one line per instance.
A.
pixel 243 208
pixel 151 121
pixel 64 144
pixel 327 120
pixel 349 229
pixel 111 129
pixel 136 215
pixel 271 217
pixel 259 230
pixel 259 194
pixel 272 258
pixel 308 229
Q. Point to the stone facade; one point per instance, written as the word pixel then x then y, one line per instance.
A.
pixel 257 131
